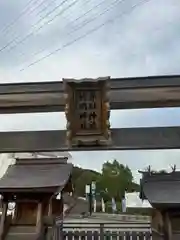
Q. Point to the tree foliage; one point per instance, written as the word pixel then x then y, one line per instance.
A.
pixel 81 178
pixel 114 180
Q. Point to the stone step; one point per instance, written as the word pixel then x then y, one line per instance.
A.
pixel 21 236
pixel 21 233
pixel 25 233
pixel 22 229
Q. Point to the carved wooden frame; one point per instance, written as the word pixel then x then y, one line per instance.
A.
pixel 74 138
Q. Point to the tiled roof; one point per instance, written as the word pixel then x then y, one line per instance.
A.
pixel 36 173
pixel 162 188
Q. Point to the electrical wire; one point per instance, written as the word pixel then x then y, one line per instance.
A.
pixel 33 10
pixel 85 22
pixel 32 26
pixel 25 10
pixel 111 20
pixel 46 7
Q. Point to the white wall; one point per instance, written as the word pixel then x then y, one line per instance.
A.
pixel 5 160
pixel 133 201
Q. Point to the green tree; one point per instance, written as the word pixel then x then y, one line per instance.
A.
pixel 82 177
pixel 112 182
pixel 116 178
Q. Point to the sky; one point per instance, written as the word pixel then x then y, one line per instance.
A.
pixel 132 38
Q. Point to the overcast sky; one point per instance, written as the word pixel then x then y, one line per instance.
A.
pixel 139 38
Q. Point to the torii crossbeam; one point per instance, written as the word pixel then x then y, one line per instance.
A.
pixel 125 93
pixel 123 139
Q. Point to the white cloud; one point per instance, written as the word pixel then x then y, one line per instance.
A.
pixel 142 42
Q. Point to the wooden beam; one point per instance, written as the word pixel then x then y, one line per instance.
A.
pixel 123 139
pixel 126 93
pixel 3 219
pixel 31 97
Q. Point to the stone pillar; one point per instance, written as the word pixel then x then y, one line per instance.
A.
pixel 50 208
pixel 3 218
pixel 15 217
pixel 39 219
pixel 62 206
pixel 157 220
pixel 59 221
pixel 167 226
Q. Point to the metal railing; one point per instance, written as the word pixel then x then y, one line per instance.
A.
pixel 101 231
pixel 95 235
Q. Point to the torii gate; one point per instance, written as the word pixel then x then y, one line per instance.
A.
pixel 124 93
pixel 91 97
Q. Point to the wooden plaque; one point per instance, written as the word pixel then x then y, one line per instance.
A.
pixel 87 112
